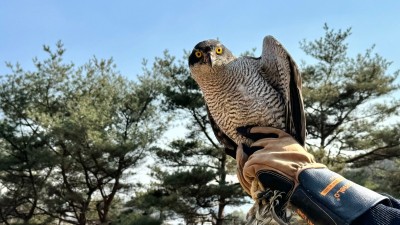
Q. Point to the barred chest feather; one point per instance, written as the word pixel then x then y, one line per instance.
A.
pixel 237 95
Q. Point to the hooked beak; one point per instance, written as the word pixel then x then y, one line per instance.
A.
pixel 210 59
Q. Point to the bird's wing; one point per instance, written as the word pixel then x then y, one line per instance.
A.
pixel 229 145
pixel 286 79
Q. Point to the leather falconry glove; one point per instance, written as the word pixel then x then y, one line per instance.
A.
pixel 277 171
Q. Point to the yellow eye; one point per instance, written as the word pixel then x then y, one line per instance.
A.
pixel 218 50
pixel 198 54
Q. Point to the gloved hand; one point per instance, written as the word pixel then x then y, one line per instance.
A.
pixel 268 169
pixel 275 170
pixel 278 154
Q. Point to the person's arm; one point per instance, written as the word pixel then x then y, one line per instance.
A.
pixel 381 214
pixel 278 171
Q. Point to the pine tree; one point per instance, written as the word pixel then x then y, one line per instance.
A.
pixel 348 100
pixel 351 105
pixel 68 134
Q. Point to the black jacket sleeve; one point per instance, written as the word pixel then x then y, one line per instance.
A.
pixel 381 214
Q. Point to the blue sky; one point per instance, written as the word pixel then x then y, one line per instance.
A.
pixel 129 31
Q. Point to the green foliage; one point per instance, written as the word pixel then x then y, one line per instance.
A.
pixel 343 98
pixel 137 219
pixel 381 176
pixel 351 106
pixel 68 133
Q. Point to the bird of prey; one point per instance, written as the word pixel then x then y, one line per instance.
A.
pixel 248 91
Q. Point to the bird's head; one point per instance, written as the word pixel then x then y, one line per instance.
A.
pixel 208 56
